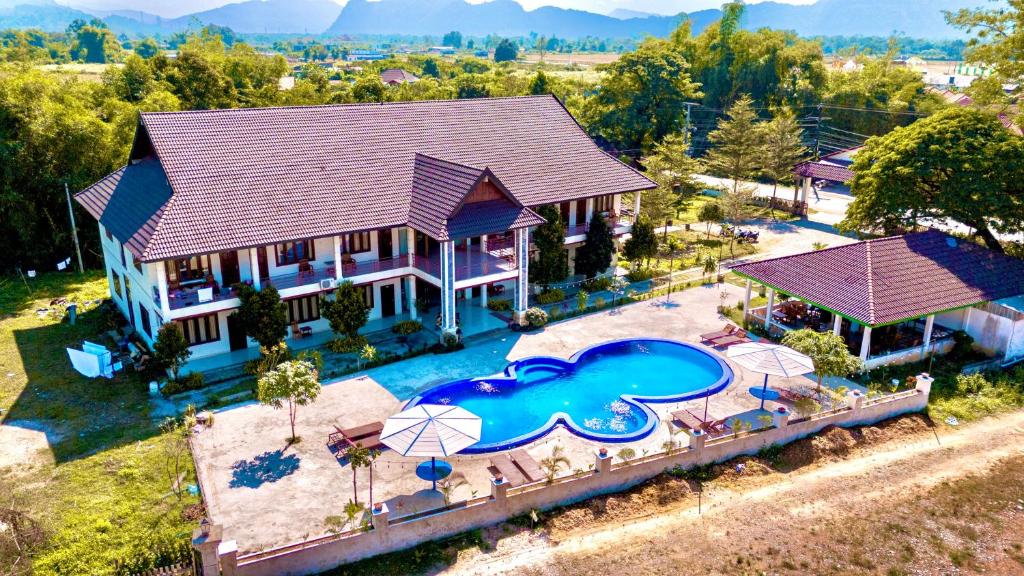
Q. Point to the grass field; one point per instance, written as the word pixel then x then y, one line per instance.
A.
pixel 93 475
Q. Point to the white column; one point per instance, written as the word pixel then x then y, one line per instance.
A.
pixel 448 288
pixel 483 244
pixel 636 204
pixel 483 296
pixel 254 261
pixel 805 189
pixel 590 209
pixel 865 344
pixel 521 300
pixel 337 259
pixel 768 310
pixel 573 217
pixel 410 240
pixel 837 324
pixel 746 300
pixel 396 246
pixel 410 295
pixel 161 283
pixel 929 324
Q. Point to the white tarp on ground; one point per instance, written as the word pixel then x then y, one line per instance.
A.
pixel 94 360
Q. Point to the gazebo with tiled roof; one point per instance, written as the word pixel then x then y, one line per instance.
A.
pixel 888 281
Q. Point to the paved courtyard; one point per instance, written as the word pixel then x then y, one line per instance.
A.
pixel 267 494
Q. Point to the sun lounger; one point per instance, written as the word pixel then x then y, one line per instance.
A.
pixel 710 424
pixel 687 420
pixel 530 468
pixel 793 396
pixel 343 437
pixel 737 337
pixel 728 330
pixel 508 469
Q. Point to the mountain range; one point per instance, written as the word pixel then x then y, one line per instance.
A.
pixel 914 18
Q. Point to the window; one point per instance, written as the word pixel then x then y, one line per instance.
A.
pixel 304 309
pixel 184 270
pixel 135 263
pixel 144 320
pixel 115 285
pixel 201 329
pixel 294 252
pixel 367 295
pixel 106 231
pixel 358 242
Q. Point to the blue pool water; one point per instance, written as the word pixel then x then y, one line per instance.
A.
pixel 600 393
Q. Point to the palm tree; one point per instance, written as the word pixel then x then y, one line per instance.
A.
pixel 553 464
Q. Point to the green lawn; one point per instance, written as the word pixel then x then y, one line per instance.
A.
pixel 98 487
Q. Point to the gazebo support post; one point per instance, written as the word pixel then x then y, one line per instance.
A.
pixel 865 344
pixel 746 301
pixel 837 324
pixel 768 310
pixel 929 324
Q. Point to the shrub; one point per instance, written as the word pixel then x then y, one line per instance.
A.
pixel 191 381
pixel 499 305
pixel 346 345
pixel 962 347
pixel 598 284
pixel 407 327
pixel 640 274
pixel 555 313
pixel 536 317
pixel 347 313
pixel 581 300
pixel 551 296
pixel 599 302
pixel 171 349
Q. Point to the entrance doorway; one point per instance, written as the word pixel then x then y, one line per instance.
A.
pixel 384 245
pixel 236 335
pixel 229 273
pixel 387 300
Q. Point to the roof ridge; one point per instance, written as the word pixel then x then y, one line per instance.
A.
pixel 871 283
pixel 167 207
pixel 345 105
pixel 446 161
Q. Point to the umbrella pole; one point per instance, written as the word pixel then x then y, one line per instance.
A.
pixel 433 471
pixel 764 390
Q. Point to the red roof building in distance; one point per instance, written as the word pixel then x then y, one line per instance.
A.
pixel 396 76
pixel 426 206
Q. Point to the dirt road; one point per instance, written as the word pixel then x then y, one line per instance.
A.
pixel 915 505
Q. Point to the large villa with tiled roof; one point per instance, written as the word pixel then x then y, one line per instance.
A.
pixel 422 204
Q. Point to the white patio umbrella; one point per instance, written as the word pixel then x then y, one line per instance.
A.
pixel 770 359
pixel 433 430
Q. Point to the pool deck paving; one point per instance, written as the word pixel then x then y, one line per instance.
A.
pixel 266 493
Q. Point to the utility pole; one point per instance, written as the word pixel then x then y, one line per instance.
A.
pixel 689 137
pixel 817 132
pixel 74 229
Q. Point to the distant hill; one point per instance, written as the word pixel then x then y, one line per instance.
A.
pixel 914 18
pixel 626 14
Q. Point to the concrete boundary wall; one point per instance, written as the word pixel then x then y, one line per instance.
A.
pixel 388 535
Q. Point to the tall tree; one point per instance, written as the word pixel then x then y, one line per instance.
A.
pixel 959 164
pixel 171 350
pixel 549 238
pixel 261 315
pixel 642 244
pixel 827 350
pixel 595 255
pixel 998 38
pixel 348 312
pixel 430 68
pixel 710 213
pixel 784 149
pixel 540 84
pixel 673 169
pixel 738 140
pixel 506 51
pixel 453 39
pixel 642 97
pixel 293 383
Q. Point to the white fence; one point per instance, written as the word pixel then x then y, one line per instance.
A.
pixel 388 535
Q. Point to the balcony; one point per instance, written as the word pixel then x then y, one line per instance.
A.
pixel 469 264
pixel 311 276
pixel 186 297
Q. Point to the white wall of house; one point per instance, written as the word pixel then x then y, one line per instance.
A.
pixel 118 261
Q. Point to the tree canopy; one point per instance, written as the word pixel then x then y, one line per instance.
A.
pixel 673 169
pixel 959 164
pixel 595 255
pixel 292 383
pixel 348 312
pixel 506 51
pixel 739 144
pixel 261 314
pixel 827 350
pixel 550 265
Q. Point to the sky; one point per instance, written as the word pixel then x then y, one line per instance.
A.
pixel 174 8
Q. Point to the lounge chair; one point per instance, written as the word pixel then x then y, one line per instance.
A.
pixel 726 331
pixel 531 469
pixel 711 424
pixel 345 437
pixel 737 337
pixel 687 420
pixel 504 464
pixel 792 396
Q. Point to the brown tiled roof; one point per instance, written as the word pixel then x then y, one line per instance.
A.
pixel 436 208
pixel 397 76
pixel 824 171
pixel 251 177
pixel 887 280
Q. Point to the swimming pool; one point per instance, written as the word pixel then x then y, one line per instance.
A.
pixel 601 393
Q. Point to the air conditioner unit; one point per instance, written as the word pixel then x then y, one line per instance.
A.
pixel 327 284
